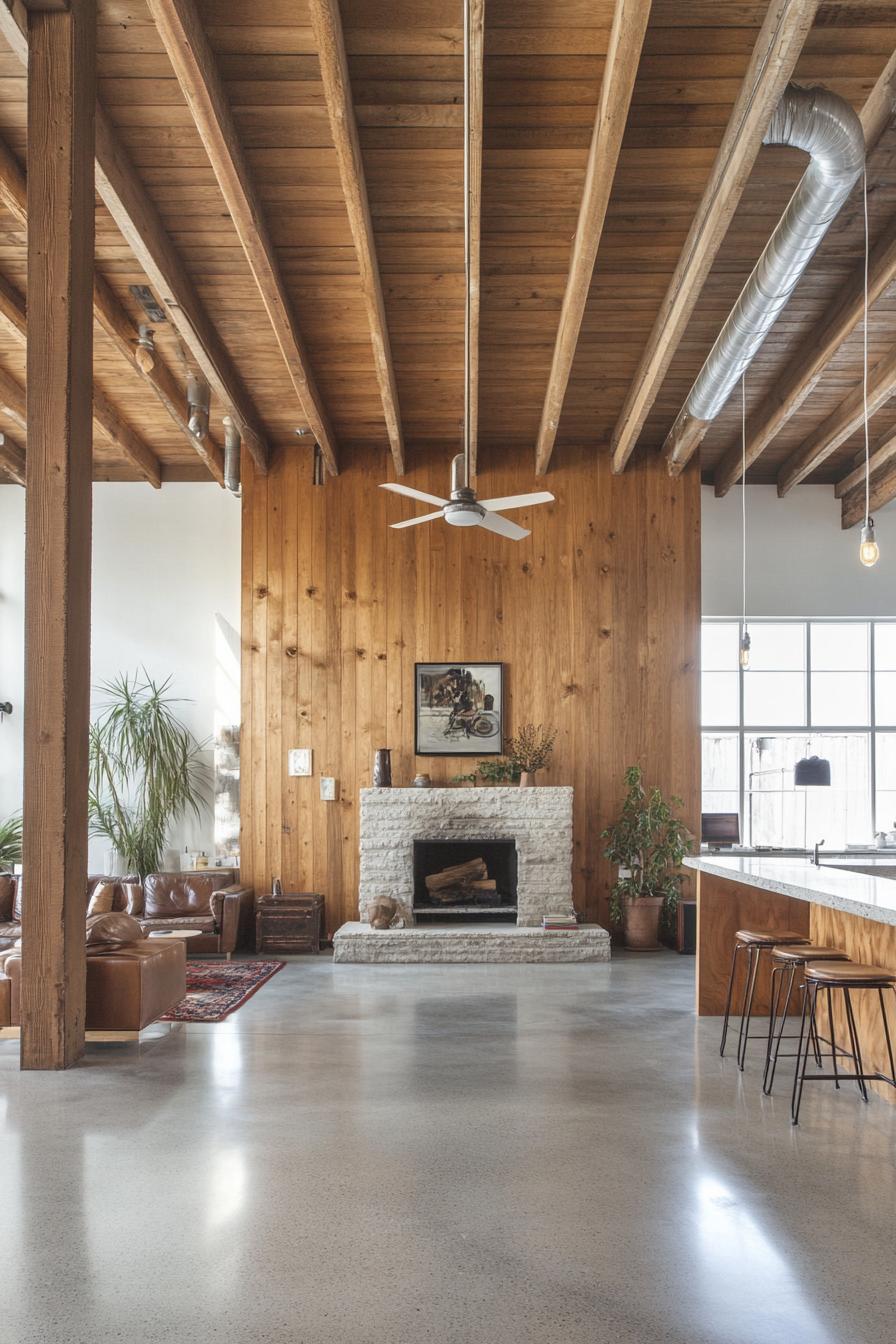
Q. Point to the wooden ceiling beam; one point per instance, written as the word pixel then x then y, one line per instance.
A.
pixel 474 150
pixel 111 316
pixel 837 427
pixel 190 53
pixel 883 490
pixel 618 82
pixel 140 224
pixel 884 453
pixel 326 24
pixel 803 370
pixel 775 53
pixel 12 459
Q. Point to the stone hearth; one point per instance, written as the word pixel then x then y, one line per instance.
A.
pixel 538 820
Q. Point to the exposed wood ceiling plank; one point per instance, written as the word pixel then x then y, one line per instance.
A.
pixel 139 222
pixel 623 54
pixel 194 64
pixel 837 427
pixel 12 459
pixel 777 48
pixel 883 453
pixel 803 371
pixel 327 24
pixel 883 490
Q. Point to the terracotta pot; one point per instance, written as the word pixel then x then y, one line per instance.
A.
pixel 642 922
pixel 527 779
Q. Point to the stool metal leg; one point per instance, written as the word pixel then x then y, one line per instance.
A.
pixel 747 1007
pixel 807 1021
pixel 833 1039
pixel 856 1052
pixel 883 1013
pixel 774 1044
pixel 738 947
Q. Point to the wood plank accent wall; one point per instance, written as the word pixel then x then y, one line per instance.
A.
pixel 596 617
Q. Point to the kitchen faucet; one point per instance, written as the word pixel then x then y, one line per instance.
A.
pixel 816 860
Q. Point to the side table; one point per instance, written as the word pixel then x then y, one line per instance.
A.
pixel 288 923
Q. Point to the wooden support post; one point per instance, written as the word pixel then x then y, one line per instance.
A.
pixel 61 101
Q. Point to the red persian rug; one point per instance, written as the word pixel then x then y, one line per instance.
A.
pixel 215 989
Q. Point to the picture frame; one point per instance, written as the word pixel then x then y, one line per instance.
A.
pixel 458 709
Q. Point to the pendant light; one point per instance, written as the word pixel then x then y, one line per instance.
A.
pixel 869 551
pixel 744 648
pixel 812 772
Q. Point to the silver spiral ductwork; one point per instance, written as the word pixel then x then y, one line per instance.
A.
pixel 232 443
pixel 828 129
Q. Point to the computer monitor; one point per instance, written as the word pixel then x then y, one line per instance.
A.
pixel 720 828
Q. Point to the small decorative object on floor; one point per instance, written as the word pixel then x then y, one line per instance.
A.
pixel 422 782
pixel 531 750
pixel 560 921
pixel 383 911
pixel 382 768
pixel 648 843
pixel 215 989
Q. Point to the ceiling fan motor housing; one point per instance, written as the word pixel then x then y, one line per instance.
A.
pixel 463 511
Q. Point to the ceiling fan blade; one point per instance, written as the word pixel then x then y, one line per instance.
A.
pixel 424 518
pixel 412 494
pixel 518 501
pixel 503 526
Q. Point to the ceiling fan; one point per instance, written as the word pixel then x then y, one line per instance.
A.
pixel 463 509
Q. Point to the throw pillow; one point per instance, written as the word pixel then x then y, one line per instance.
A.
pixel 100 902
pixel 113 928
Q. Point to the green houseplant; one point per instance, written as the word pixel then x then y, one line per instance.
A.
pixel 530 750
pixel 648 842
pixel 146 770
pixel 10 842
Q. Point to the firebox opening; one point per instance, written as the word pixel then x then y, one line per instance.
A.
pixel 470 879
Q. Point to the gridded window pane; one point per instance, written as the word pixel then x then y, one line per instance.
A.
pixel 720 702
pixel 719 646
pixel 840 697
pixel 775 698
pixel 886 781
pixel 721 768
pixel 777 646
pixel 885 697
pixel 780 814
pixel 885 645
pixel 839 646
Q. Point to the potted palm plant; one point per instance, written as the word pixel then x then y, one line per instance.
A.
pixel 10 843
pixel 146 770
pixel 648 843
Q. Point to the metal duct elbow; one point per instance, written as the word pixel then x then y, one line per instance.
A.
pixel 232 445
pixel 828 129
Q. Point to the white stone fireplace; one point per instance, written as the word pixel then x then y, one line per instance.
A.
pixel 537 820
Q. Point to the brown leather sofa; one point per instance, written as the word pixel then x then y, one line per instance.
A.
pixel 124 894
pixel 215 903
pixel 129 983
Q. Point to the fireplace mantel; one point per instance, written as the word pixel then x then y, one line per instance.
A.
pixel 539 820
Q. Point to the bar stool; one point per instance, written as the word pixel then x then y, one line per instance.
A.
pixel 786 962
pixel 754 942
pixel 843 976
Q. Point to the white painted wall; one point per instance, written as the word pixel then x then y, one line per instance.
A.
pixel 799 560
pixel 166 596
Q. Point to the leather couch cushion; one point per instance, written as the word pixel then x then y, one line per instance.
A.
pixel 204 923
pixel 100 902
pixel 133 895
pixel 10 929
pixel 169 895
pixel 17 902
pixel 7 896
pixel 112 928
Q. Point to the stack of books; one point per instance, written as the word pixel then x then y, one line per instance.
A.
pixel 562 921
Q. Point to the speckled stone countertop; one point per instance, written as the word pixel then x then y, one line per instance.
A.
pixel 855 893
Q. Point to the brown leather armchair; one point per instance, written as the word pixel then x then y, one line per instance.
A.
pixel 213 903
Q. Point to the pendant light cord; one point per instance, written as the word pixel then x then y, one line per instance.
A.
pixel 865 355
pixel 467 304
pixel 743 496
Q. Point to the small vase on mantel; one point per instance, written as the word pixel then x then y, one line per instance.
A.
pixel 527 779
pixel 382 768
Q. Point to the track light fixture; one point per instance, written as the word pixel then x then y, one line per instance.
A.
pixel 198 402
pixel 232 445
pixel 869 551
pixel 145 354
pixel 317 470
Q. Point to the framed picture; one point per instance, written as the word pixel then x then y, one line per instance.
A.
pixel 458 709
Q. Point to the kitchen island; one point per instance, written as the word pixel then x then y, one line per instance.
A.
pixel 844 902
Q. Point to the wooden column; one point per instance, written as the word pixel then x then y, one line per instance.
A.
pixel 61 101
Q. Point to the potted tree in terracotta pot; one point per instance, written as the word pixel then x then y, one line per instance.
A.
pixel 648 842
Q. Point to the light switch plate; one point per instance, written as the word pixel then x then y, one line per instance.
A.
pixel 299 761
pixel 327 789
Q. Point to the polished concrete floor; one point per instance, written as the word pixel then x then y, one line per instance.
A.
pixel 462 1155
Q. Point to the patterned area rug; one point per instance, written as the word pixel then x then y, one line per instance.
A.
pixel 215 989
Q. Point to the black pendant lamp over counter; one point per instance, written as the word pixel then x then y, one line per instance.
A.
pixel 811 771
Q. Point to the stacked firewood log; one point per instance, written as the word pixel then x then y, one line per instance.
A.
pixel 462 884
